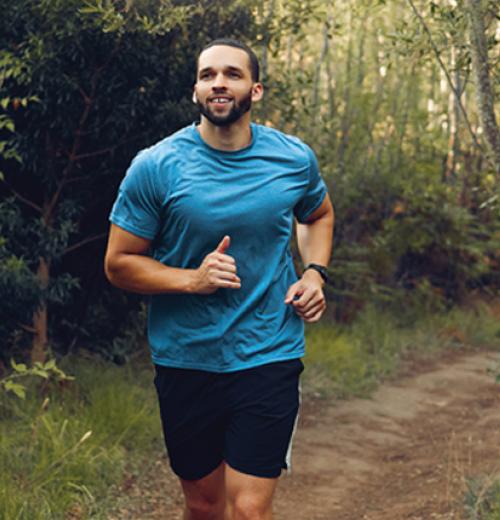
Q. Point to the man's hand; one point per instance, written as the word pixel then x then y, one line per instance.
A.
pixel 217 270
pixel 306 296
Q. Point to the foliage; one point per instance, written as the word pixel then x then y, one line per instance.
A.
pixel 482 500
pixel 60 454
pixel 48 371
pixel 85 85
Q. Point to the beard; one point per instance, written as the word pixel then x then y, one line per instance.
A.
pixel 237 110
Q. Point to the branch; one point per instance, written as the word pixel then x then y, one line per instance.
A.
pixel 84 242
pixel 448 78
pixel 23 199
pixel 96 153
pixel 27 328
pixel 88 102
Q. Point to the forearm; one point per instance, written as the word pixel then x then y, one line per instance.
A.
pixel 142 274
pixel 315 240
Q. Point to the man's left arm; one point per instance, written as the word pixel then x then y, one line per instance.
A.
pixel 314 238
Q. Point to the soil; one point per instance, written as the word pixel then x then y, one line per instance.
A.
pixel 410 451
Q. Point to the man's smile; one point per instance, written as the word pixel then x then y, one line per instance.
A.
pixel 219 101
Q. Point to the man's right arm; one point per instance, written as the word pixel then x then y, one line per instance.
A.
pixel 127 267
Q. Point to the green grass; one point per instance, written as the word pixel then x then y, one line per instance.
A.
pixel 344 361
pixel 61 452
pixel 482 500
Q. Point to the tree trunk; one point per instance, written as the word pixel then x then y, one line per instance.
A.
pixel 484 92
pixel 317 76
pixel 40 338
pixel 345 122
pixel 453 121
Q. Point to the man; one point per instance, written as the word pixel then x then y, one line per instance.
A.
pixel 215 203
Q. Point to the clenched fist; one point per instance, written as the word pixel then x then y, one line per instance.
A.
pixel 217 270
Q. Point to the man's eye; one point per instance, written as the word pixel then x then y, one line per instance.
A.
pixel 234 75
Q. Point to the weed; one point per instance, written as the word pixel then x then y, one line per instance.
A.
pixel 482 499
pixel 63 454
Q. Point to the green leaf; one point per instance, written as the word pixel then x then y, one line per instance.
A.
pixel 21 367
pixel 40 372
pixel 4 102
pixel 16 388
pixel 50 364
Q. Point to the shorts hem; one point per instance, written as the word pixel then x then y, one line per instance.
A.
pixel 195 475
pixel 262 473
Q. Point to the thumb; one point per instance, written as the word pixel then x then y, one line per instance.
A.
pixel 293 290
pixel 223 244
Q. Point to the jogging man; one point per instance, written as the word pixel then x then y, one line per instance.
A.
pixel 214 203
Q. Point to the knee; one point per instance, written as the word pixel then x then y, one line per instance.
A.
pixel 204 509
pixel 250 508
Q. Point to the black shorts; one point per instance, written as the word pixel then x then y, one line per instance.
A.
pixel 245 418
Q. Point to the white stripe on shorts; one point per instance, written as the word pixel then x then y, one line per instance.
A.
pixel 288 457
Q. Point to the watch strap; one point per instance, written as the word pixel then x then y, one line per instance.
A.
pixel 321 269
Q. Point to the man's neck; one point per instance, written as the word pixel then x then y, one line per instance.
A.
pixel 227 138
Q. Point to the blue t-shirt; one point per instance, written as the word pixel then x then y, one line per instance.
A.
pixel 185 196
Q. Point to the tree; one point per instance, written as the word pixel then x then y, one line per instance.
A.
pixel 480 62
pixel 108 79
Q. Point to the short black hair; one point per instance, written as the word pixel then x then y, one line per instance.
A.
pixel 229 42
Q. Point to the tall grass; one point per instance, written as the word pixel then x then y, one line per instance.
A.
pixel 482 500
pixel 61 451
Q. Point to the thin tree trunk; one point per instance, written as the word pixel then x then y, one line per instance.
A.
pixel 446 73
pixel 453 121
pixel 317 76
pixel 345 123
pixel 484 92
pixel 40 337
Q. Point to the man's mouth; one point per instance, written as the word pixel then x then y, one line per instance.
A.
pixel 219 100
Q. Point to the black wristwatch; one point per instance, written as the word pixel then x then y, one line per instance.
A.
pixel 321 270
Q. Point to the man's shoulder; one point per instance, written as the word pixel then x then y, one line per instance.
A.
pixel 281 141
pixel 171 146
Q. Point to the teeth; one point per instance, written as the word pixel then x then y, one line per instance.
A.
pixel 220 100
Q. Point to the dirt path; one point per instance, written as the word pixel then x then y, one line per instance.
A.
pixel 405 453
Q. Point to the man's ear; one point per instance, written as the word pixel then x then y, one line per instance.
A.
pixel 257 91
pixel 194 98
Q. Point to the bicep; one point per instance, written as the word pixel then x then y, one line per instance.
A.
pixel 123 242
pixel 325 209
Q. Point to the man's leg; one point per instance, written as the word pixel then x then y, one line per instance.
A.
pixel 248 497
pixel 205 498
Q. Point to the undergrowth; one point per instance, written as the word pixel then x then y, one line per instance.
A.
pixel 62 448
pixel 482 499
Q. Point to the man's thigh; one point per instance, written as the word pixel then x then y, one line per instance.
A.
pixel 208 493
pixel 193 420
pixel 264 409
pixel 248 496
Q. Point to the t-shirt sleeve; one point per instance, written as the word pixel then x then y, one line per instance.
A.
pixel 315 191
pixel 138 205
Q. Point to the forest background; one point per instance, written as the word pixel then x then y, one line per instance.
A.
pixel 396 98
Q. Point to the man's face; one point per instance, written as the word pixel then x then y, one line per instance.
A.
pixel 224 88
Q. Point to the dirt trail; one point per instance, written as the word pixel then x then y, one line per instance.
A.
pixel 402 454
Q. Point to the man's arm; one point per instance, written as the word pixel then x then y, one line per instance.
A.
pixel 314 239
pixel 127 266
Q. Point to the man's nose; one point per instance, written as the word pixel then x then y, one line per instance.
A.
pixel 219 81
